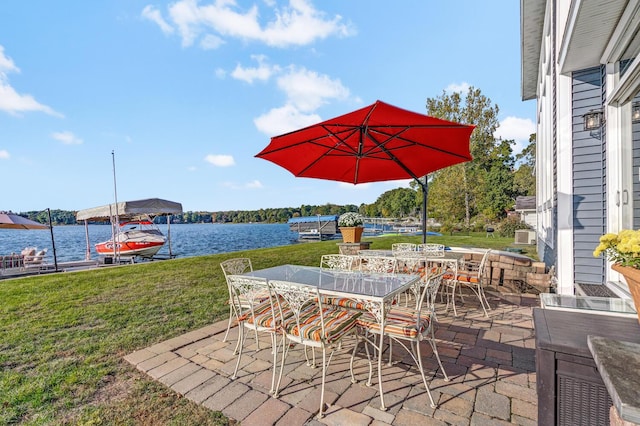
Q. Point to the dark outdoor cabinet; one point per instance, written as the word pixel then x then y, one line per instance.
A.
pixel 570 389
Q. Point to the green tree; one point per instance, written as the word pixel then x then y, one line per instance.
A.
pixel 524 179
pixel 476 109
pixel 498 185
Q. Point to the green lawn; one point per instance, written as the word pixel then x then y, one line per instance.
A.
pixel 63 336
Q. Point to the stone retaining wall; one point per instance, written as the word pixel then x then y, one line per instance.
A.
pixel 513 273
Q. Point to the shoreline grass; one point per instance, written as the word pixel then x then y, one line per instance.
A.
pixel 63 336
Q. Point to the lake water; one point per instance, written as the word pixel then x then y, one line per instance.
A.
pixel 186 239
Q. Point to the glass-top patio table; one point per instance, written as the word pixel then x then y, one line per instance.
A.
pixel 374 291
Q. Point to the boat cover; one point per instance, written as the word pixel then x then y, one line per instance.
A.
pixel 130 209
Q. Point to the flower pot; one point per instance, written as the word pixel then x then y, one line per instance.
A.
pixel 351 234
pixel 632 277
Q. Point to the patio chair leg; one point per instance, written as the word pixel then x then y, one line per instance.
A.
pixel 353 353
pixel 274 350
pixel 240 342
pixel 285 350
pixel 257 341
pixel 424 379
pixel 226 334
pixel 451 297
pixel 434 348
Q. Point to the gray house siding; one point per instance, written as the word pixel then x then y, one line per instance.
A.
pixel 589 187
pixel 548 253
pixel 635 128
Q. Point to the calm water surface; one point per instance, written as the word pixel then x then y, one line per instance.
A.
pixel 186 239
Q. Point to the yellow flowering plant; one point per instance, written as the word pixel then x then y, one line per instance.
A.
pixel 622 248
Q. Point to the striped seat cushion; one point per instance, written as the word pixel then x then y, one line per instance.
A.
pixel 343 302
pixel 337 323
pixel 469 277
pixel 262 315
pixel 401 322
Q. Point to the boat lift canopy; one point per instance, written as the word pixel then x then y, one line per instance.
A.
pixel 128 210
pixel 131 209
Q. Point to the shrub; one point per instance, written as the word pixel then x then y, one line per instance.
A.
pixel 509 226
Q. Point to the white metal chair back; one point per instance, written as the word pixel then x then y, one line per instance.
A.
pixel 431 249
pixel 248 292
pixel 399 247
pixel 410 262
pixel 235 266
pixel 337 262
pixel 379 264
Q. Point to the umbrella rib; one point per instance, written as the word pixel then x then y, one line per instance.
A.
pixel 391 156
pixel 397 136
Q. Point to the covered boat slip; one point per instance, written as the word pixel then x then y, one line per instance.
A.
pixel 131 209
pixel 314 227
pixel 128 210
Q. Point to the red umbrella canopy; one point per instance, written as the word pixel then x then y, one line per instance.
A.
pixel 10 220
pixel 376 143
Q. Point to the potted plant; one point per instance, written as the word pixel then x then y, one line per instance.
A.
pixel 351 228
pixel 623 249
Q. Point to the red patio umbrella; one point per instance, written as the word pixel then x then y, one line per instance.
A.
pixel 376 143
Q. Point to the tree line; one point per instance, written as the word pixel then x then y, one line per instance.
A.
pixel 469 195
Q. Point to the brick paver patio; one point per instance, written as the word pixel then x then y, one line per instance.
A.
pixel 490 361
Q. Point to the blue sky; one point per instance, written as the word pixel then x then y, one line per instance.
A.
pixel 187 92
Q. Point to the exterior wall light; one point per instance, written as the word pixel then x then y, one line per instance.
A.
pixel 593 120
pixel 635 112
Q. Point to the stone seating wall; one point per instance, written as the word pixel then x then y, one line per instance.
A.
pixel 514 273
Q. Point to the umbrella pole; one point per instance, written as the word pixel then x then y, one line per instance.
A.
pixel 53 243
pixel 425 193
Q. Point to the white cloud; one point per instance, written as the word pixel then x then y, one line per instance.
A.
pixel 192 168
pixel 254 184
pixel 308 90
pixel 4 154
pixel 67 138
pixel 284 119
pixel 10 100
pixel 458 88
pixel 297 24
pixel 518 129
pixel 262 72
pixel 6 64
pixel 211 42
pixel 220 160
pixel 153 15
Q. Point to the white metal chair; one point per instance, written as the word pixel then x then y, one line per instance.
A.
pixel 253 314
pixel 235 266
pixel 411 262
pixel 408 327
pixel 471 275
pixel 311 324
